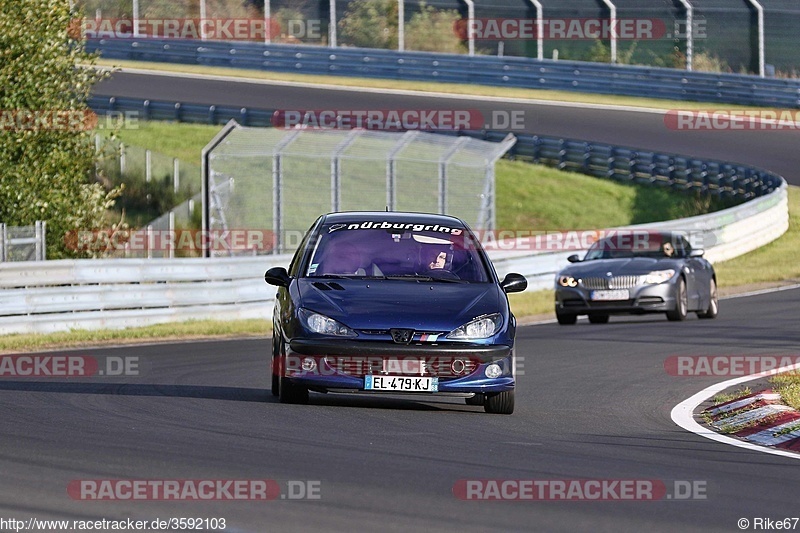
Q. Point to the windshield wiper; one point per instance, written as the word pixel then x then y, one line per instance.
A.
pixel 418 277
pixel 412 277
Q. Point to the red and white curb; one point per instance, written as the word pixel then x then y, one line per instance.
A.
pixel 760 423
pixel 758 418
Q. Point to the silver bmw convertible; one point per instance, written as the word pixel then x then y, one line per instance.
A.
pixel 652 272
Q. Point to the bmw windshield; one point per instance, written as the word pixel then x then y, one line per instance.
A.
pixel 640 244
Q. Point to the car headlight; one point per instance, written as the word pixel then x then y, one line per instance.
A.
pixel 324 325
pixel 567 281
pixel 659 276
pixel 480 328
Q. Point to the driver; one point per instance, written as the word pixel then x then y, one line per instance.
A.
pixel 438 262
pixel 668 249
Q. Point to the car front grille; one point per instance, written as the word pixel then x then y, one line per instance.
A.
pixel 616 282
pixel 434 366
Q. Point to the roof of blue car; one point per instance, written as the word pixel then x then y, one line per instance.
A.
pixel 391 216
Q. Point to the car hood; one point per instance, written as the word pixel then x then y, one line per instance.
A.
pixel 622 266
pixel 382 304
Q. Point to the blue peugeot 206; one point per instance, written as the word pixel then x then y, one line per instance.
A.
pixel 397 303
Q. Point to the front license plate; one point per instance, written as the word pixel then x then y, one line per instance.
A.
pixel 401 384
pixel 620 294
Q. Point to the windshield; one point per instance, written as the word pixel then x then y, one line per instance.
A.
pixel 651 245
pixel 403 251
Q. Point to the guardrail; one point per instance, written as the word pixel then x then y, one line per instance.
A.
pixel 600 78
pixel 118 293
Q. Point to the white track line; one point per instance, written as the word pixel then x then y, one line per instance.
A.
pixel 762 291
pixel 400 92
pixel 683 415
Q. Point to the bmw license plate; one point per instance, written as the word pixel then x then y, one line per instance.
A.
pixel 611 295
pixel 401 384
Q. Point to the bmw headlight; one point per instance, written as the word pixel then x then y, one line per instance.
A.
pixel 567 281
pixel 659 276
pixel 480 328
pixel 324 325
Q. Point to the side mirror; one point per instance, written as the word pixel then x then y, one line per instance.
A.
pixel 514 283
pixel 697 252
pixel 574 258
pixel 277 276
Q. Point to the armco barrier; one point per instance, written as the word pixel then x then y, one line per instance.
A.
pixel 119 293
pixel 518 72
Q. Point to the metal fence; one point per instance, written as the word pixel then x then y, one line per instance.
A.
pixel 741 35
pixel 280 180
pixel 23 243
pixel 119 161
pixel 517 72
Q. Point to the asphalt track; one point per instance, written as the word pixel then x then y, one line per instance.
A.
pixel 594 402
pixel 774 150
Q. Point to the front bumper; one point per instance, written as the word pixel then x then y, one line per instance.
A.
pixel 643 299
pixel 326 377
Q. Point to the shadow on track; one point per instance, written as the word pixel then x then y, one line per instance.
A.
pixel 239 394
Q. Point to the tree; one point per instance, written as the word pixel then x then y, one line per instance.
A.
pixel 433 30
pixel 370 24
pixel 47 153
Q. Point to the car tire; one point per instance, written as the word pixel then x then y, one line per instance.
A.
pixel 566 319
pixel 713 305
pixel 275 383
pixel 478 399
pixel 681 303
pixel 274 369
pixel 598 319
pixel 291 393
pixel 501 403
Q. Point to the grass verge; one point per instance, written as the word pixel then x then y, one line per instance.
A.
pixel 182 140
pixel 788 386
pixel 195 329
pixel 438 87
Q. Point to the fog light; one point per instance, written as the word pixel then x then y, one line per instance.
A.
pixel 309 364
pixel 458 366
pixel 493 371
